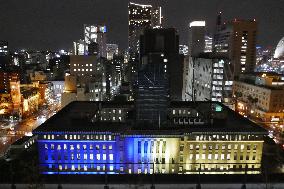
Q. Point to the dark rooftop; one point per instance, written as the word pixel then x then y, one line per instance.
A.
pixel 77 117
pixel 22 140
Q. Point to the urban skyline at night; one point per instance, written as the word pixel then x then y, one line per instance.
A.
pixel 142 94
pixel 53 26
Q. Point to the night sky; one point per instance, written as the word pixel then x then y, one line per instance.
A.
pixel 54 24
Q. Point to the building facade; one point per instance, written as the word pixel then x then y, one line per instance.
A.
pixel 237 39
pixel 188 144
pixel 261 96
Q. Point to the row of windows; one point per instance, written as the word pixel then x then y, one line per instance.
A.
pixel 221 157
pixel 78 147
pixel 221 146
pixel 73 156
pixel 79 137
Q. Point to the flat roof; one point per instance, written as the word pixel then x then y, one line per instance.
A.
pixel 77 117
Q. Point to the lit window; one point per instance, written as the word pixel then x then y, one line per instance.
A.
pixel 111 167
pixel 98 167
pixel 111 157
pixel 98 157
pixel 104 156
pixel 110 147
pixel 91 156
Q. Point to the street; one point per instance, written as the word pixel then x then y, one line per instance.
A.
pixel 12 131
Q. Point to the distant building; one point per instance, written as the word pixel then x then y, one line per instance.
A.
pixel 156 20
pixel 3 48
pixel 237 39
pixel 208 44
pixel 211 78
pixel 279 51
pixel 97 34
pixel 260 95
pixel 112 49
pixel 141 17
pixel 196 38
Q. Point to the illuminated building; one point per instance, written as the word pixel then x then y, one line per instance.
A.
pixel 141 17
pixel 156 20
pixel 103 138
pixel 196 38
pixel 79 47
pixel 112 49
pixel 5 78
pixel 211 78
pixel 30 96
pixel 261 96
pixel 208 43
pixel 3 48
pixel 97 34
pixel 83 65
pixel 237 39
pixel 279 51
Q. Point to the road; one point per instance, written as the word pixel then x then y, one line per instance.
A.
pixel 275 131
pixel 12 131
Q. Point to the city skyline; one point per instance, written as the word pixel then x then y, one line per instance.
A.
pixel 64 20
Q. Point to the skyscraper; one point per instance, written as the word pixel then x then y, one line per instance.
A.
pixel 97 34
pixel 196 38
pixel 208 43
pixel 141 17
pixel 237 40
pixel 160 74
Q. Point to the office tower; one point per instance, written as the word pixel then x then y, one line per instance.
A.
pixel 156 20
pixel 141 17
pixel 279 51
pixel 210 78
pixel 208 44
pixel 3 48
pixel 112 49
pixel 237 39
pixel 97 34
pixel 79 47
pixel 196 38
pixel 160 74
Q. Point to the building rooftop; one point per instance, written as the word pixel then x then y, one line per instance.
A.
pixel 22 140
pixel 78 117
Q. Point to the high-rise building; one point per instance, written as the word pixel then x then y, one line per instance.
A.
pixel 210 78
pixel 196 38
pixel 208 44
pixel 97 34
pixel 3 48
pixel 141 17
pixel 156 21
pixel 237 39
pixel 160 74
